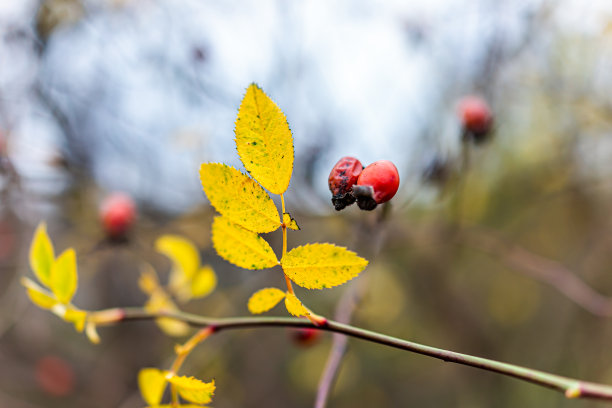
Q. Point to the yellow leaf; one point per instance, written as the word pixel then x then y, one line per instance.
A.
pixel 152 382
pixel 63 279
pixel 241 247
pixel 239 198
pixel 203 282
pixel 264 300
pixel 41 255
pixel 148 282
pixel 290 222
pixel 192 389
pixel 39 296
pixel 318 266
pixel 159 302
pixel 264 141
pixel 76 317
pixel 294 306
pixel 184 256
pixel 178 406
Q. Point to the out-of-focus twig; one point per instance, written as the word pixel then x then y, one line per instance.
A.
pixel 543 269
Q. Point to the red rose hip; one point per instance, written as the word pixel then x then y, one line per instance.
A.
pixel 305 336
pixel 341 180
pixel 476 118
pixel 117 214
pixel 376 184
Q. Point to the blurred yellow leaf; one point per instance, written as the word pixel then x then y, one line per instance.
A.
pixel 63 279
pixel 76 317
pixel 148 282
pixel 178 406
pixel 264 141
pixel 39 296
pixel 159 302
pixel 239 198
pixel 41 255
pixel 192 389
pixel 264 300
pixel 152 382
pixel 290 222
pixel 318 266
pixel 294 306
pixel 184 256
pixel 203 282
pixel 241 247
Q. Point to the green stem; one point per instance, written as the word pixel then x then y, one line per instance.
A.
pixel 572 388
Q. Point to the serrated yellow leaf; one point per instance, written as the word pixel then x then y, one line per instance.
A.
pixel 264 300
pixel 159 302
pixel 241 247
pixel 152 382
pixel 184 256
pixel 39 296
pixel 192 389
pixel 63 278
pixel 203 282
pixel 290 222
pixel 318 266
pixel 264 141
pixel 294 306
pixel 239 198
pixel 76 317
pixel 41 255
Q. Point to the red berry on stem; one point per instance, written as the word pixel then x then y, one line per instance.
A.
pixel 476 118
pixel 377 184
pixel 341 179
pixel 305 336
pixel 117 213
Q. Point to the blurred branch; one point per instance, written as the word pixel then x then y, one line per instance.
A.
pixel 572 388
pixel 542 269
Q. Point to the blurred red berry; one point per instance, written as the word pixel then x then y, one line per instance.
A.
pixel 117 213
pixel 476 118
pixel 55 376
pixel 377 184
pixel 305 336
pixel 341 179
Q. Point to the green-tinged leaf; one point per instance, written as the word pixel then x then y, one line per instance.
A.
pixel 152 382
pixel 203 282
pixel 41 255
pixel 264 300
pixel 239 198
pixel 192 389
pixel 63 281
pixel 264 141
pixel 295 307
pixel 76 317
pixel 184 256
pixel 39 296
pixel 241 247
pixel 318 266
pixel 159 302
pixel 290 222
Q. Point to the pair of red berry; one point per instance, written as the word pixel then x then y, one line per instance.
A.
pixel 370 186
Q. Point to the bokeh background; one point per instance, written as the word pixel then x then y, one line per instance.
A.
pixel 501 249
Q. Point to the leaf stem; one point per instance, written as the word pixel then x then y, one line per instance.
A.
pixel 572 388
pixel 284 228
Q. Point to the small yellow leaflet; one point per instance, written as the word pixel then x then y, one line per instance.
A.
pixel 192 389
pixel 203 282
pixel 76 317
pixel 239 198
pixel 264 141
pixel 295 307
pixel 63 279
pixel 159 302
pixel 318 266
pixel 241 247
pixel 41 255
pixel 290 222
pixel 184 256
pixel 264 300
pixel 152 382
pixel 39 296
